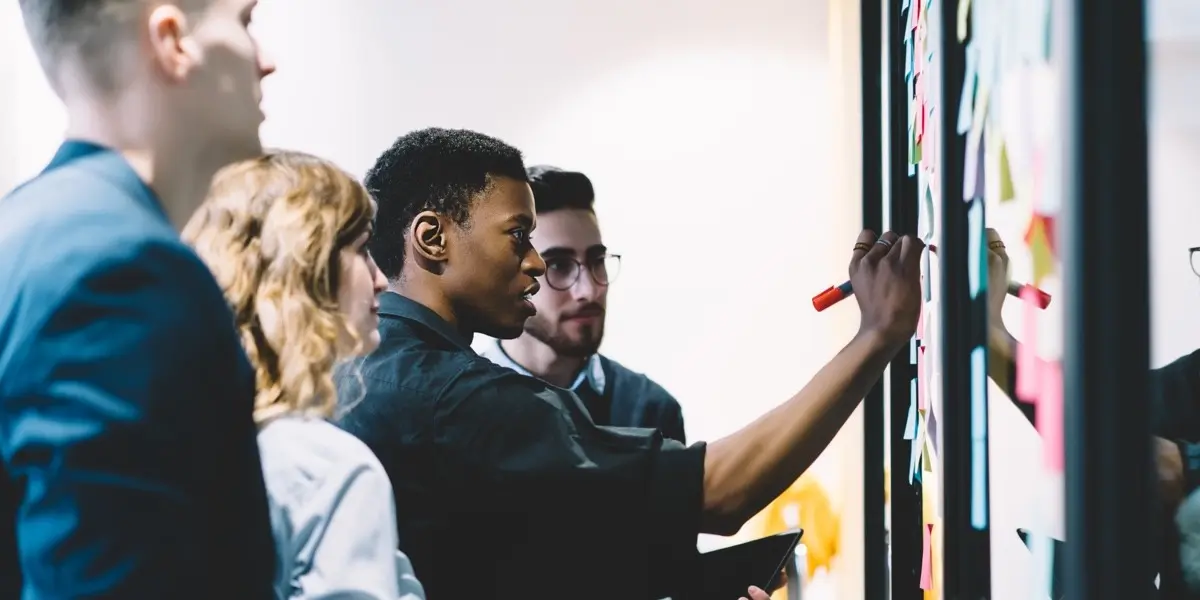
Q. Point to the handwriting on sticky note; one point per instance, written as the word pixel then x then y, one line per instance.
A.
pixel 1028 372
pixel 1049 418
pixel 927 556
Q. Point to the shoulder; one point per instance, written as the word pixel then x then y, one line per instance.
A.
pixel 302 458
pixel 628 381
pixel 70 226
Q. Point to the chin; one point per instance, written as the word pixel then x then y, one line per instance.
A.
pixel 505 331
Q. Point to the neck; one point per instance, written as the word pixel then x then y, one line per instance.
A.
pixel 431 297
pixel 541 360
pixel 178 173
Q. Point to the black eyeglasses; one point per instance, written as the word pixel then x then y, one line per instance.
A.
pixel 1194 259
pixel 563 271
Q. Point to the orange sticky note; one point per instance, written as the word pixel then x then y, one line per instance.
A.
pixel 1049 418
pixel 921 401
pixel 1028 373
pixel 926 558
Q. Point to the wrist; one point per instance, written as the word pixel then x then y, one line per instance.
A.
pixel 877 342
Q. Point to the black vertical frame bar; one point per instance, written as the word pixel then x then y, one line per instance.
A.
pixel 967 550
pixel 906 501
pixel 874 532
pixel 1105 234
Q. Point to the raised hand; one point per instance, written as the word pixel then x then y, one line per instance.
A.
pixel 886 276
pixel 997 278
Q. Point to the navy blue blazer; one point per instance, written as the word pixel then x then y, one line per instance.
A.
pixel 130 465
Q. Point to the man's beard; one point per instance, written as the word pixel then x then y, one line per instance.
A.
pixel 545 332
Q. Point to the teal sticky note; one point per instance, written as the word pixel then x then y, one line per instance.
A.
pixel 976 259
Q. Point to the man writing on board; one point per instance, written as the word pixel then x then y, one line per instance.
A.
pixel 505 477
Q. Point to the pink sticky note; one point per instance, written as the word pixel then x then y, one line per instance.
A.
pixel 1049 418
pixel 1028 371
pixel 921 400
pixel 926 558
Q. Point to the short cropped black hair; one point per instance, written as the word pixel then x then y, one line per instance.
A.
pixel 556 189
pixel 436 169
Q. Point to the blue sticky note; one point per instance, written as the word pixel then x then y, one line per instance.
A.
pixel 979 408
pixel 975 279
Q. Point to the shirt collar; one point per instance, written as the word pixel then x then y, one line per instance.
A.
pixel 110 165
pixel 592 372
pixel 395 305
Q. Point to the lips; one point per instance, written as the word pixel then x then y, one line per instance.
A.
pixel 590 312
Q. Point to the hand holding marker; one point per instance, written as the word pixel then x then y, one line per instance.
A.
pixel 835 294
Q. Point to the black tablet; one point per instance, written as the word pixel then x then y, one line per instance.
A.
pixel 726 573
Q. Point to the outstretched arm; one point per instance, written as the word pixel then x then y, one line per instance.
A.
pixel 746 470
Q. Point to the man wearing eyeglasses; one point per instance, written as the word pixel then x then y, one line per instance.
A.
pixel 561 343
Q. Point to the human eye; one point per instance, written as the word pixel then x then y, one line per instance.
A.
pixel 521 235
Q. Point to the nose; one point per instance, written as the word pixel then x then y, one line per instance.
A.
pixel 378 279
pixel 533 265
pixel 585 288
pixel 266 63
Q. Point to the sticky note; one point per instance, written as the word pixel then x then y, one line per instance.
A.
pixel 1028 381
pixel 1049 418
pixel 964 11
pixel 1006 183
pixel 926 556
pixel 966 102
pixel 931 428
pixel 922 401
pixel 976 257
pixel 979 444
pixel 1039 249
pixel 973 166
pixel 908 58
pixel 914 456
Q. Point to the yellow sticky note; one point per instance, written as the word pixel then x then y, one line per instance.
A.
pixel 1039 248
pixel 1006 183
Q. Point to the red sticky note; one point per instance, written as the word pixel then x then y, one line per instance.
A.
pixel 922 403
pixel 1028 371
pixel 1049 418
pixel 926 558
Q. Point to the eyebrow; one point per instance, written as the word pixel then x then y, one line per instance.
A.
pixel 521 219
pixel 559 251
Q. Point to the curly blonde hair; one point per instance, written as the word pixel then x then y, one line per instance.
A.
pixel 272 230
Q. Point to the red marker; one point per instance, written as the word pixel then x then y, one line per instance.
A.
pixel 835 294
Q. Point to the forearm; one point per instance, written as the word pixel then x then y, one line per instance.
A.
pixel 746 470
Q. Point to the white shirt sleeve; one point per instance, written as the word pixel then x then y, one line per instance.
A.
pixel 339 541
pixel 351 548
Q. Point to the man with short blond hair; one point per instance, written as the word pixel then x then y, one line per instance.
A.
pixel 129 462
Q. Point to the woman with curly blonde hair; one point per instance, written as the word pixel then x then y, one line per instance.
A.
pixel 285 235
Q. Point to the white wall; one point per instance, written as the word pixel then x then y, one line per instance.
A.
pixel 709 128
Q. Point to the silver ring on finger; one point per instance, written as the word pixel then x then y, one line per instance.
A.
pixel 885 243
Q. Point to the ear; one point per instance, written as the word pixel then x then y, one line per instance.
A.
pixel 429 237
pixel 174 52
